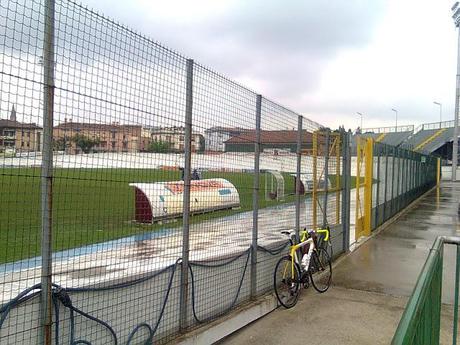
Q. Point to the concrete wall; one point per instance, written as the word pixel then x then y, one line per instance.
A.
pixel 123 309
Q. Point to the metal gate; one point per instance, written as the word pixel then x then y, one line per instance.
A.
pixel 363 183
pixel 326 153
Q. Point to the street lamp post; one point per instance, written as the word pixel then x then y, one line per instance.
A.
pixel 396 112
pixel 440 112
pixel 361 115
pixel 456 17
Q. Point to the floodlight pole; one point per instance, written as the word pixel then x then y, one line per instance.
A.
pixel 361 115
pixel 440 112
pixel 456 17
pixel 396 112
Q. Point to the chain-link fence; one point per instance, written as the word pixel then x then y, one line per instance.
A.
pixel 142 193
pixel 399 177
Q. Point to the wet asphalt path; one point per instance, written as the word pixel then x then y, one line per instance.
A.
pixel 371 285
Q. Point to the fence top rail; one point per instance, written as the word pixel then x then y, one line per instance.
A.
pixel 406 328
pixel 436 125
pixel 390 129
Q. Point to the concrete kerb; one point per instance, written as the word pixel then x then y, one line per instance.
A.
pixel 249 312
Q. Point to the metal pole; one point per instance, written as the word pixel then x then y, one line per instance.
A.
pixel 457 274
pixel 346 172
pixel 297 183
pixel 47 174
pixel 398 182
pixel 186 200
pixel 255 199
pixel 396 113
pixel 386 186
pixel 326 178
pixel 440 114
pixel 378 150
pixel 393 159
pixel 457 95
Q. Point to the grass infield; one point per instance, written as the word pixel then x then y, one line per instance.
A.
pixel 94 205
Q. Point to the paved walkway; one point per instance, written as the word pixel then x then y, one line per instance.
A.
pixel 371 285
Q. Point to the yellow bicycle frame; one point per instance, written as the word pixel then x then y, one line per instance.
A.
pixel 294 255
pixel 303 238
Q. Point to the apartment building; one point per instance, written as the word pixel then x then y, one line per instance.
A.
pixel 18 136
pixel 113 137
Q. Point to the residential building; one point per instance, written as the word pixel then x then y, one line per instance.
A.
pixel 269 140
pixel 18 136
pixel 113 137
pixel 175 137
pixel 215 137
pixel 146 139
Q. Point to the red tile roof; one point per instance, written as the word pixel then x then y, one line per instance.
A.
pixel 270 137
pixel 95 126
pixel 17 124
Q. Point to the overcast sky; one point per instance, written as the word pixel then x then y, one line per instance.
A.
pixel 324 59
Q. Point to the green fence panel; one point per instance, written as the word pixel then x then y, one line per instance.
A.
pixel 420 322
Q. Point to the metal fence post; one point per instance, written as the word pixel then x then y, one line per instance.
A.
pixel 393 159
pixel 406 176
pixel 255 200
pixel 346 176
pixel 377 196
pixel 398 187
pixel 326 178
pixel 47 174
pixel 186 200
pixel 297 183
pixel 386 186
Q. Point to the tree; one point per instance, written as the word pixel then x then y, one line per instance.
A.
pixel 61 144
pixel 159 147
pixel 202 145
pixel 85 143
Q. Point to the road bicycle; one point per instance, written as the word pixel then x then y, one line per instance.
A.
pixel 323 239
pixel 305 263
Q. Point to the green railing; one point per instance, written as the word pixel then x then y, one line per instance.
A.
pixel 421 320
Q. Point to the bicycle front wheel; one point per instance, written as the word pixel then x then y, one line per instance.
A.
pixel 287 282
pixel 321 270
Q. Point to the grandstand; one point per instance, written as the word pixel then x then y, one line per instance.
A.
pixel 394 136
pixel 428 138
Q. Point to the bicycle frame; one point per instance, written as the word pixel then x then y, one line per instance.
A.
pixel 293 252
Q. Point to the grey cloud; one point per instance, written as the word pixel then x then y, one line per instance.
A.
pixel 284 45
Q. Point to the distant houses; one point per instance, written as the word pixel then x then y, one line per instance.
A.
pixel 216 137
pixel 78 137
pixel 84 137
pixel 285 140
pixel 174 139
pixel 17 136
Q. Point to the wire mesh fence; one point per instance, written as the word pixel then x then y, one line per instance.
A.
pixel 399 177
pixel 143 193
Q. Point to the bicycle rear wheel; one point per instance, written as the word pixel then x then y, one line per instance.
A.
pixel 320 270
pixel 287 282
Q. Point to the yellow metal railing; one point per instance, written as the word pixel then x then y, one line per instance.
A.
pixel 380 137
